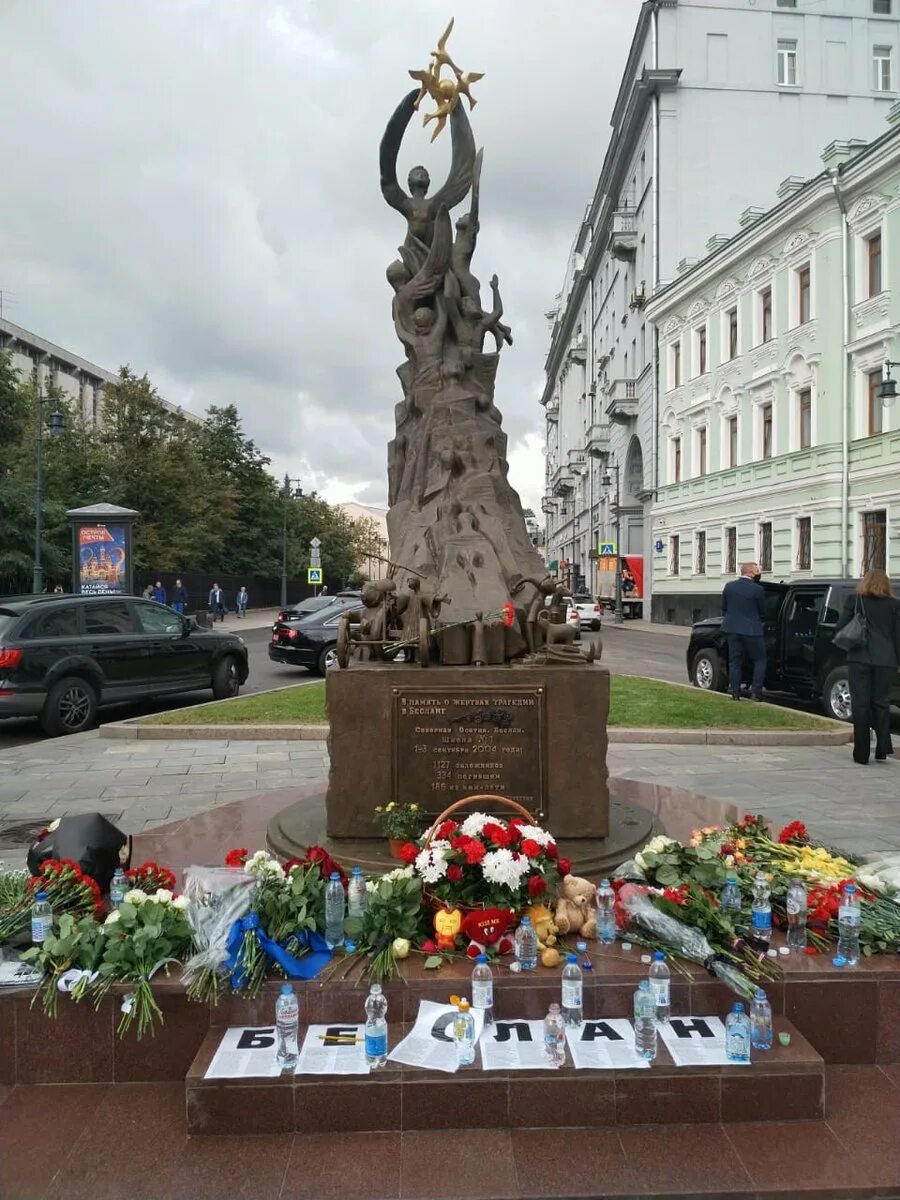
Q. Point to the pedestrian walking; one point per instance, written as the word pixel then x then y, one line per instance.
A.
pixel 159 593
pixel 872 664
pixel 179 597
pixel 743 611
pixel 217 602
pixel 241 601
pixel 148 592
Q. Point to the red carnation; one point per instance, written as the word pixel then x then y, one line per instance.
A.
pixel 551 851
pixel 474 851
pixel 495 834
pixel 796 831
pixel 536 886
pixel 445 830
pixel 454 873
pixel 564 866
pixel 530 848
pixel 509 614
pixel 236 857
pixel 459 842
pixel 428 947
pixel 409 852
pixel 516 824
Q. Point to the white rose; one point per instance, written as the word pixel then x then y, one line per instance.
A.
pixel 112 918
pixel 162 896
pixel 639 861
pixel 180 902
pixel 136 897
pixel 54 825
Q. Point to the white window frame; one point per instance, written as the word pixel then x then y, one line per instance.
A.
pixel 758 293
pixel 861 240
pixel 794 314
pixel 675 554
pixel 795 542
pixel 725 441
pixel 695 564
pixel 726 569
pixel 881 12
pixel 758 407
pixel 671 364
pixel 882 57
pixel 795 440
pixel 725 334
pixel 673 438
pixel 701 428
pixel 759 542
pixel 703 328
pixel 787 56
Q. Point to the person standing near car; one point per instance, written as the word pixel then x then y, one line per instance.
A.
pixel 217 602
pixel 179 597
pixel 148 592
pixel 159 593
pixel 743 612
pixel 872 664
pixel 241 600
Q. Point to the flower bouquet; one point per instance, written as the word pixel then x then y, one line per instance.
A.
pixel 392 920
pixel 141 936
pixel 217 897
pixel 149 877
pixel 68 959
pixel 68 890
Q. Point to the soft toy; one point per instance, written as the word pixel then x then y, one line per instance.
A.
pixel 576 908
pixel 485 928
pixel 544 925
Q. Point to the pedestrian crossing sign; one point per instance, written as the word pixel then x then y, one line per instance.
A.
pixel 607 549
pixel 314 575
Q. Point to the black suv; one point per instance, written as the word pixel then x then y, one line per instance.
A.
pixel 63 656
pixel 801 656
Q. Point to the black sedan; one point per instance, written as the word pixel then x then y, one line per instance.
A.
pixel 305 608
pixel 311 641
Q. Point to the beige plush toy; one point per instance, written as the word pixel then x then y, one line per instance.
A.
pixel 544 925
pixel 576 908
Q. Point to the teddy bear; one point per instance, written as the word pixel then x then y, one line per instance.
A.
pixel 576 908
pixel 544 926
pixel 488 928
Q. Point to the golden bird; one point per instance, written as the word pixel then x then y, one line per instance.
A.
pixel 463 82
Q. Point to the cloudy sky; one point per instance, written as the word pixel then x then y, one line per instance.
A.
pixel 191 186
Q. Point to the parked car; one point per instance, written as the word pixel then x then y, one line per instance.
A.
pixel 62 657
pixel 305 608
pixel 310 642
pixel 801 656
pixel 590 613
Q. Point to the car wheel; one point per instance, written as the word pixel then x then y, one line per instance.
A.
pixel 70 707
pixel 836 695
pixel 707 673
pixel 327 659
pixel 595 626
pixel 225 679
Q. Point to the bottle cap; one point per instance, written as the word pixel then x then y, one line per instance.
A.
pixel 658 956
pixel 644 985
pixel 287 989
pixel 526 920
pixel 759 994
pixel 482 958
pixel 849 887
pixel 604 883
pixel 375 989
pixel 784 949
pixel 42 896
pixel 356 871
pixel 731 877
pixel 571 958
pixel 839 961
pixel 738 1007
pixel 334 875
pixel 581 947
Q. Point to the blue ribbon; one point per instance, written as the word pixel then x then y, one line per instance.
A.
pixel 307 967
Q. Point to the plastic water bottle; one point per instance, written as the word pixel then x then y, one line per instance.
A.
pixel 287 1020
pixel 483 988
pixel 848 925
pixel 761 1021
pixel 526 945
pixel 730 899
pixel 334 911
pixel 661 986
pixel 376 1027
pixel 572 992
pixel 118 887
pixel 464 1034
pixel 41 919
pixel 796 915
pixel 357 896
pixel 606 917
pixel 737 1035
pixel 761 909
pixel 645 1021
pixel 555 1037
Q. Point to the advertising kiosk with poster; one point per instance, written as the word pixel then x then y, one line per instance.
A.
pixel 102 559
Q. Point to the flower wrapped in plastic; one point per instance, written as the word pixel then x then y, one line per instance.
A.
pixel 217 897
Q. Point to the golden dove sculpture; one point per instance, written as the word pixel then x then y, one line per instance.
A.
pixel 445 92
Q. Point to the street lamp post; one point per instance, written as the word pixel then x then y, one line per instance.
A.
pixel 288 495
pixel 617 616
pixel 55 425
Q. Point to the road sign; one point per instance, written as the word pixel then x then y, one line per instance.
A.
pixel 315 558
pixel 607 549
pixel 658 546
pixel 315 543
pixel 314 575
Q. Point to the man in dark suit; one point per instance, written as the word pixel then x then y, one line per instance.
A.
pixel 743 612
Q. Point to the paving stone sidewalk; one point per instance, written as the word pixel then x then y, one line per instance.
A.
pixel 142 784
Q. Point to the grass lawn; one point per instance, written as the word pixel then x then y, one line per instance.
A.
pixel 636 703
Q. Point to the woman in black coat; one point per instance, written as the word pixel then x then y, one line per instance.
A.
pixel 873 667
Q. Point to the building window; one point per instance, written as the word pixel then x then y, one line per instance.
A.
pixel 701 451
pixel 881 69
pixel 700 553
pixel 882 8
pixel 804 543
pixel 874 535
pixel 765 315
pixel 674 555
pixel 874 409
pixel 787 62
pixel 701 351
pixel 732 441
pixel 676 460
pixel 765 546
pixel 767 430
pixel 803 295
pixel 730 550
pixel 785 3
pixel 732 333
pixel 873 260
pixel 676 364
pixel 805 415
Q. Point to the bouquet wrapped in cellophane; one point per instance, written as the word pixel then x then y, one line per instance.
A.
pixel 217 897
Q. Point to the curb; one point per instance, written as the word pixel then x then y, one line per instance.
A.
pixel 128 731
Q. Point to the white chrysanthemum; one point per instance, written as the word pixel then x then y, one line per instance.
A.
pixel 162 896
pixel 135 896
pixel 475 822
pixel 262 866
pixel 398 873
pixel 112 918
pixel 541 836
pixel 431 863
pixel 505 868
pixel 180 902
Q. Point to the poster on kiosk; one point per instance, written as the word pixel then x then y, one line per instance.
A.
pixel 102 550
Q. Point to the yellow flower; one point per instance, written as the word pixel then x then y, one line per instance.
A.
pixel 378 808
pixel 414 808
pixel 391 806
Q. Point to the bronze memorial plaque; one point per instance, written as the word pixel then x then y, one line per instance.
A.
pixel 450 742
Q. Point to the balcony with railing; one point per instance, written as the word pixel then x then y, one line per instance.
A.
pixel 621 400
pixel 623 237
pixel 596 439
pixel 562 481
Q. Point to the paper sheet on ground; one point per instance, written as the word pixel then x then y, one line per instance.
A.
pixel 18 974
pixel 430 1041
pixel 695 1041
pixel 321 1054
pixel 514 1046
pixel 244 1053
pixel 604 1045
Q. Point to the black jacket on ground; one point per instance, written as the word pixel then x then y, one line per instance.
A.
pixel 883 616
